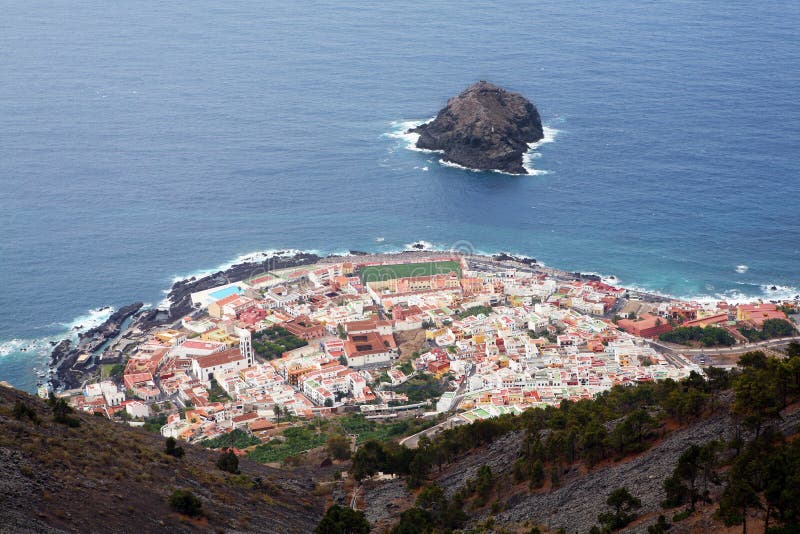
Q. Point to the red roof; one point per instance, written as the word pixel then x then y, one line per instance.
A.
pixel 220 358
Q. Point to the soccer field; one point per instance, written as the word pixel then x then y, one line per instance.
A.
pixel 403 270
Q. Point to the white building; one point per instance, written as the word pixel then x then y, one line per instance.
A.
pixel 207 368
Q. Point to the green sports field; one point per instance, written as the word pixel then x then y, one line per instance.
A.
pixel 404 270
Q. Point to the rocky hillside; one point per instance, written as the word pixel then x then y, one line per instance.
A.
pixel 89 474
pixel 701 455
pixel 485 127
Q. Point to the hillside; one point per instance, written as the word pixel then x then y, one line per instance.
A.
pixel 102 476
pixel 709 453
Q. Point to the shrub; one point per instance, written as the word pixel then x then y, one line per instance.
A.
pixel 228 461
pixel 340 520
pixel 339 447
pixel 171 448
pixel 185 502
pixel 22 409
pixel 61 411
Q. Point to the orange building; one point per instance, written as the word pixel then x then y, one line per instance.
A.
pixel 646 326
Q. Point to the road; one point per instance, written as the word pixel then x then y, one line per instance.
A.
pixel 724 351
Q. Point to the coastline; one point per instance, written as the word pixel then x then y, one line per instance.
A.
pixel 65 356
pixel 177 303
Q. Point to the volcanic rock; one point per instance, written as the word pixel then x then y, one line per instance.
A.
pixel 484 128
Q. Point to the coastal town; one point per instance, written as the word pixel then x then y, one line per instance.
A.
pixel 445 337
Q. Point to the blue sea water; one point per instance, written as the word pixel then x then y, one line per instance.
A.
pixel 140 141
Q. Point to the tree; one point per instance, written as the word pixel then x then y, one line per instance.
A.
pixel 342 520
pixel 633 430
pixel 329 402
pixel 537 475
pixel 228 461
pixel 432 499
pixel 782 488
pixel 415 521
pixel 737 498
pixel 339 447
pixel 370 458
pixel 276 409
pixel 171 448
pixel 185 502
pixel 753 359
pixel 695 464
pixel 623 504
pixel 756 399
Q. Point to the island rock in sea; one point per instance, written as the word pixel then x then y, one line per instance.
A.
pixel 484 128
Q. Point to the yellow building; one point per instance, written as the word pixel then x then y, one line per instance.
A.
pixel 170 337
pixel 221 336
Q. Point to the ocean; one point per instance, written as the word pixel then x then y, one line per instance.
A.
pixel 143 142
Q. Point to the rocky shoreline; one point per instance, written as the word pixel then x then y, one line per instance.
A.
pixel 66 372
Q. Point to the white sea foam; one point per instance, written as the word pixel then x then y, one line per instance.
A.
pixel 400 131
pixel 732 296
pixel 444 163
pixel 94 317
pixel 42 346
pixel 741 269
pixel 256 256
pixel 419 245
pixel 528 157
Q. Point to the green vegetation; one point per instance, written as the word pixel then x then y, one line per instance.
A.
pixel 216 393
pixel 61 411
pixel 377 273
pixel 171 448
pixel 710 336
pixel 371 429
pixel 229 462
pixel 478 488
pixel 154 423
pixel 238 439
pixel 618 422
pixel 297 439
pixel 111 370
pixel 690 481
pixel 23 409
pixel 342 520
pixel 772 328
pixel 274 341
pixel 338 447
pixel 374 456
pixel 421 388
pixel 185 502
pixel 475 310
pixel 432 513
pixel 406 367
pixel 623 504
